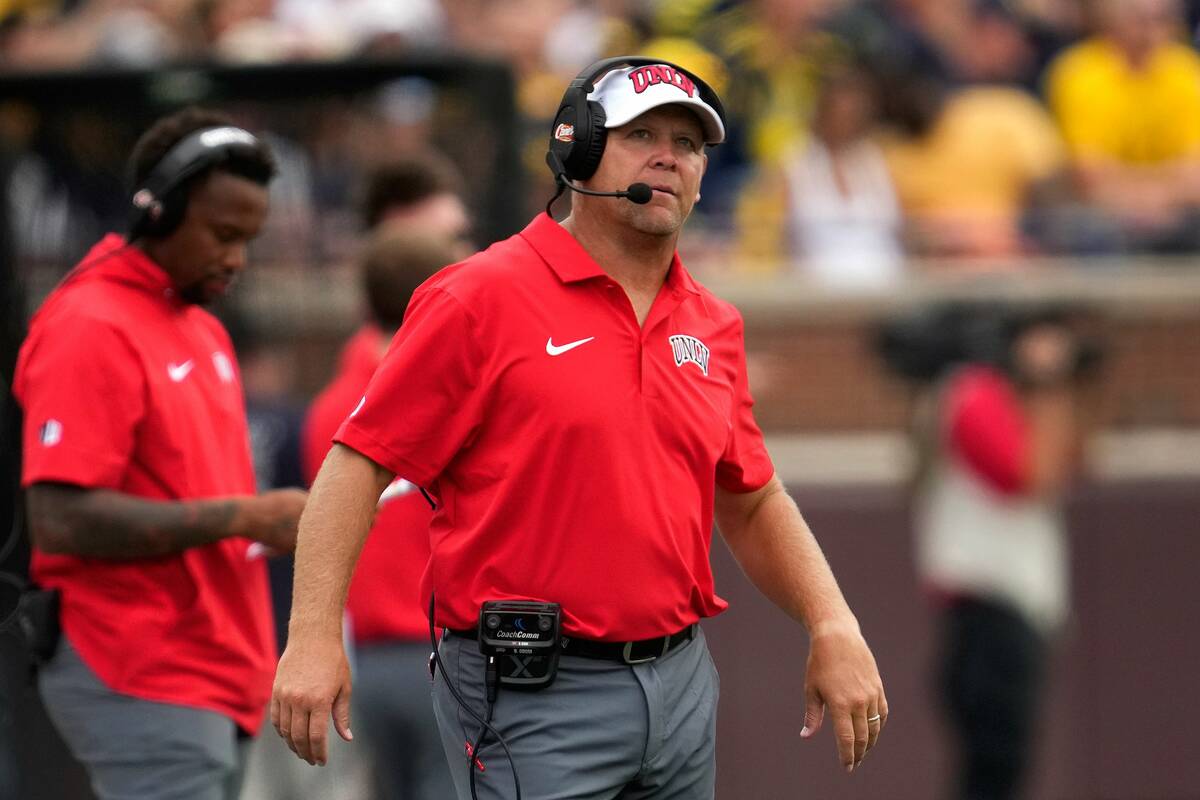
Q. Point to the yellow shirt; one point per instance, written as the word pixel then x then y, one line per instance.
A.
pixel 988 146
pixel 1104 108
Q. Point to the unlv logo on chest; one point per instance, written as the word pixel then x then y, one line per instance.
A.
pixel 689 349
pixel 645 77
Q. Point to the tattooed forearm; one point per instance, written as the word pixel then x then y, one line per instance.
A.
pixel 100 523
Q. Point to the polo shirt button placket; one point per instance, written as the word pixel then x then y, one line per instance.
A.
pixel 624 307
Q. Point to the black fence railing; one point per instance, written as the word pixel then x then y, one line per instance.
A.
pixel 69 134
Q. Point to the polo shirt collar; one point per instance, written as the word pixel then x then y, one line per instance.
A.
pixel 571 263
pixel 558 248
pixel 679 280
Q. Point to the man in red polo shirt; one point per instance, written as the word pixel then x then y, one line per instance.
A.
pixel 141 493
pixel 577 404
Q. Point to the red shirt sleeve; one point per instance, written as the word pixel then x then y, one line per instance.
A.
pixel 426 399
pixel 745 465
pixel 83 393
pixel 322 421
pixel 987 428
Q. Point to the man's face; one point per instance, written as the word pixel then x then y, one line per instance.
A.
pixel 663 148
pixel 1142 25
pixel 442 215
pixel 206 252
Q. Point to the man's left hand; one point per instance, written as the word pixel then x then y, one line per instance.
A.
pixel 842 677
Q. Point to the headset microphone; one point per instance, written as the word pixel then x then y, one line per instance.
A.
pixel 638 193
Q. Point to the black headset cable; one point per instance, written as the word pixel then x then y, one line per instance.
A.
pixel 486 724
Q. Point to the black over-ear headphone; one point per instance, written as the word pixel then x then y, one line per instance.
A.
pixel 159 204
pixel 578 134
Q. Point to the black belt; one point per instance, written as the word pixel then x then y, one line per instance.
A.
pixel 638 652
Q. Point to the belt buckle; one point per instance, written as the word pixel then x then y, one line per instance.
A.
pixel 627 653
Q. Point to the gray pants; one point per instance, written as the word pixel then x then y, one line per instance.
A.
pixel 137 749
pixel 601 731
pixel 392 713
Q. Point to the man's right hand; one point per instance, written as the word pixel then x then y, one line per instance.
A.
pixel 271 518
pixel 312 682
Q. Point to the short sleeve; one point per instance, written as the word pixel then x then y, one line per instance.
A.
pixel 425 400
pixel 83 392
pixel 987 429
pixel 1035 140
pixel 745 466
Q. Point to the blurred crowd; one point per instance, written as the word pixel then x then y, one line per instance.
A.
pixel 863 133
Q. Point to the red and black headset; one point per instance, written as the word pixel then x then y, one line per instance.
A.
pixel 576 156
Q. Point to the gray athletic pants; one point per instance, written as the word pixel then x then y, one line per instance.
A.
pixel 601 731
pixel 392 715
pixel 136 749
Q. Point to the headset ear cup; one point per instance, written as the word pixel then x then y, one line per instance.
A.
pixel 170 214
pixel 562 137
pixel 588 152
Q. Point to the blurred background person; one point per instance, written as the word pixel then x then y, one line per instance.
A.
pixel 764 57
pixel 418 194
pixel 421 191
pixel 416 225
pixel 967 153
pixel 999 441
pixel 275 417
pixel 143 511
pixel 831 208
pixel 1128 102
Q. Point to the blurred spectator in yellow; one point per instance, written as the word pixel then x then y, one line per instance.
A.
pixel 830 208
pixel 1128 102
pixel 771 50
pixel 967 160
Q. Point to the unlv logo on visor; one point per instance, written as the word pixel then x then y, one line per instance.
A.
pixel 645 77
pixel 565 132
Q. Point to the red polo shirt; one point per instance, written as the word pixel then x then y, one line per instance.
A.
pixel 385 598
pixel 125 387
pixel 574 454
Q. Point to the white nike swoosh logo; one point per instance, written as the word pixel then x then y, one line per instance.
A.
pixel 178 372
pixel 558 350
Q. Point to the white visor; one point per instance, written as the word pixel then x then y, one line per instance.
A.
pixel 629 92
